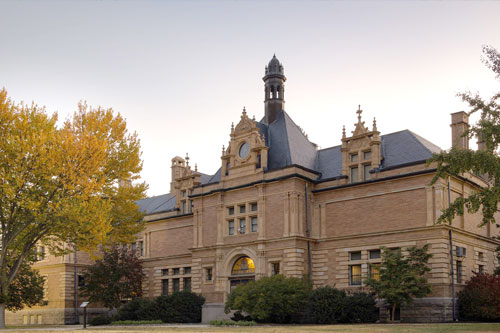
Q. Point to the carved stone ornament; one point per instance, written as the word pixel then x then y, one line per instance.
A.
pixel 245 124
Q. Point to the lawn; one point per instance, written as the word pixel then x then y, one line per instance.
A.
pixel 379 328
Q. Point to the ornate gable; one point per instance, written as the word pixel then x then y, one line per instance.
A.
pixel 360 152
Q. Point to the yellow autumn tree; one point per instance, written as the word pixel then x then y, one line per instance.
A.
pixel 71 184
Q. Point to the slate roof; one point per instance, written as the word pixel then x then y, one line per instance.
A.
pixel 288 145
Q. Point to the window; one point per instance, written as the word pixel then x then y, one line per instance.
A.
pixel 375 271
pixel 275 268
pixel 230 210
pixel 367 155
pixel 354 157
pixel 374 254
pixel 355 255
pixel 208 274
pixel 253 207
pixel 230 227
pixel 459 271
pixel 41 253
pixel 480 256
pixel 259 162
pixel 191 206
pixel 141 248
pixel 242 209
pixel 187 284
pixel 366 171
pixel 164 287
pixel 81 281
pixel 242 226
pixel 177 271
pixel 228 165
pixel 164 272
pixel 355 275
pixel 253 220
pixel 354 175
pixel 133 246
pixel 184 207
pixel 183 193
pixel 187 270
pixel 481 269
pixel 176 284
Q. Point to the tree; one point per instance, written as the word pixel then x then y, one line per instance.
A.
pixel 270 299
pixel 26 289
pixel 60 186
pixel 115 277
pixel 485 161
pixel 479 300
pixel 401 278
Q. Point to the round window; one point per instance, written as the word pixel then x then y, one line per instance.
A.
pixel 244 150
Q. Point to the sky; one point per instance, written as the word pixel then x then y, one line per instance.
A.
pixel 180 72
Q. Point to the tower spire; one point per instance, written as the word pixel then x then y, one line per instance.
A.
pixel 274 87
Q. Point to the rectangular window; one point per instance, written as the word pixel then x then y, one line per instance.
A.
pixel 183 193
pixel 367 155
pixel 187 284
pixel 355 255
pixel 374 254
pixel 230 210
pixel 481 269
pixel 176 284
pixel 81 281
pixel 230 227
pixel 459 271
pixel 177 271
pixel 480 256
pixel 190 206
pixel 253 219
pixel 141 248
pixel 366 171
pixel 375 271
pixel 242 209
pixel 275 268
pixel 355 275
pixel 354 157
pixel 184 207
pixel 187 270
pixel 253 207
pixel 243 226
pixel 164 272
pixel 41 253
pixel 208 274
pixel 133 247
pixel 164 287
pixel 354 175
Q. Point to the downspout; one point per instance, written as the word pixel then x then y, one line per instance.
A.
pixel 77 320
pixel 450 234
pixel 308 234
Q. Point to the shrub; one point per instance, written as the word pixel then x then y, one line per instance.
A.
pixel 273 299
pixel 232 323
pixel 361 308
pixel 480 299
pixel 100 320
pixel 327 305
pixel 136 322
pixel 180 307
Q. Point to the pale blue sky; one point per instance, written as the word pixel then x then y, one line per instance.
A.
pixel 180 72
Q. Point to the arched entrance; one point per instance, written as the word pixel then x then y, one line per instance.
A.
pixel 242 272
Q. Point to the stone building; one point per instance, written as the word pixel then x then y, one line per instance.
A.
pixel 280 205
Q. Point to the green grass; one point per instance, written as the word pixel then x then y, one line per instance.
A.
pixel 363 328
pixel 136 322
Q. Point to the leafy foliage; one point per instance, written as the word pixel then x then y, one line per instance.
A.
pixel 26 289
pixel 485 162
pixel 100 320
pixel 60 185
pixel 178 307
pixel 329 305
pixel 117 276
pixel 402 278
pixel 480 299
pixel 270 299
pixel 232 323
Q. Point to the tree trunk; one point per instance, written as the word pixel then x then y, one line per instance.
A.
pixel 2 316
pixel 393 312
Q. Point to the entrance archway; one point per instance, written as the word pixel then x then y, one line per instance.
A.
pixel 242 271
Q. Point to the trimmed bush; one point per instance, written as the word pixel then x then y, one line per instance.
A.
pixel 327 305
pixel 480 299
pixel 179 307
pixel 361 308
pixel 275 299
pixel 99 320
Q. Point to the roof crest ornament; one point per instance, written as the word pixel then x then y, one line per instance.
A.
pixel 360 126
pixel 374 125
pixel 245 123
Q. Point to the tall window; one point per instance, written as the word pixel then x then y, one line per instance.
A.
pixel 176 284
pixel 366 171
pixel 459 271
pixel 187 284
pixel 164 287
pixel 253 219
pixel 355 275
pixel 275 268
pixel 230 227
pixel 208 274
pixel 375 271
pixel 141 248
pixel 242 229
pixel 354 175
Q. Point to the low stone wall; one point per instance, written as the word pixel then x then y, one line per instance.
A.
pixel 213 311
pixel 423 310
pixel 48 316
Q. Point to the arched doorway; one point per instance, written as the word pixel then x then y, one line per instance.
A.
pixel 242 272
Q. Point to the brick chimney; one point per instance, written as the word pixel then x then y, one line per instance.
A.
pixel 459 124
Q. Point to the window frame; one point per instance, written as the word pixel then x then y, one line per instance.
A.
pixel 358 280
